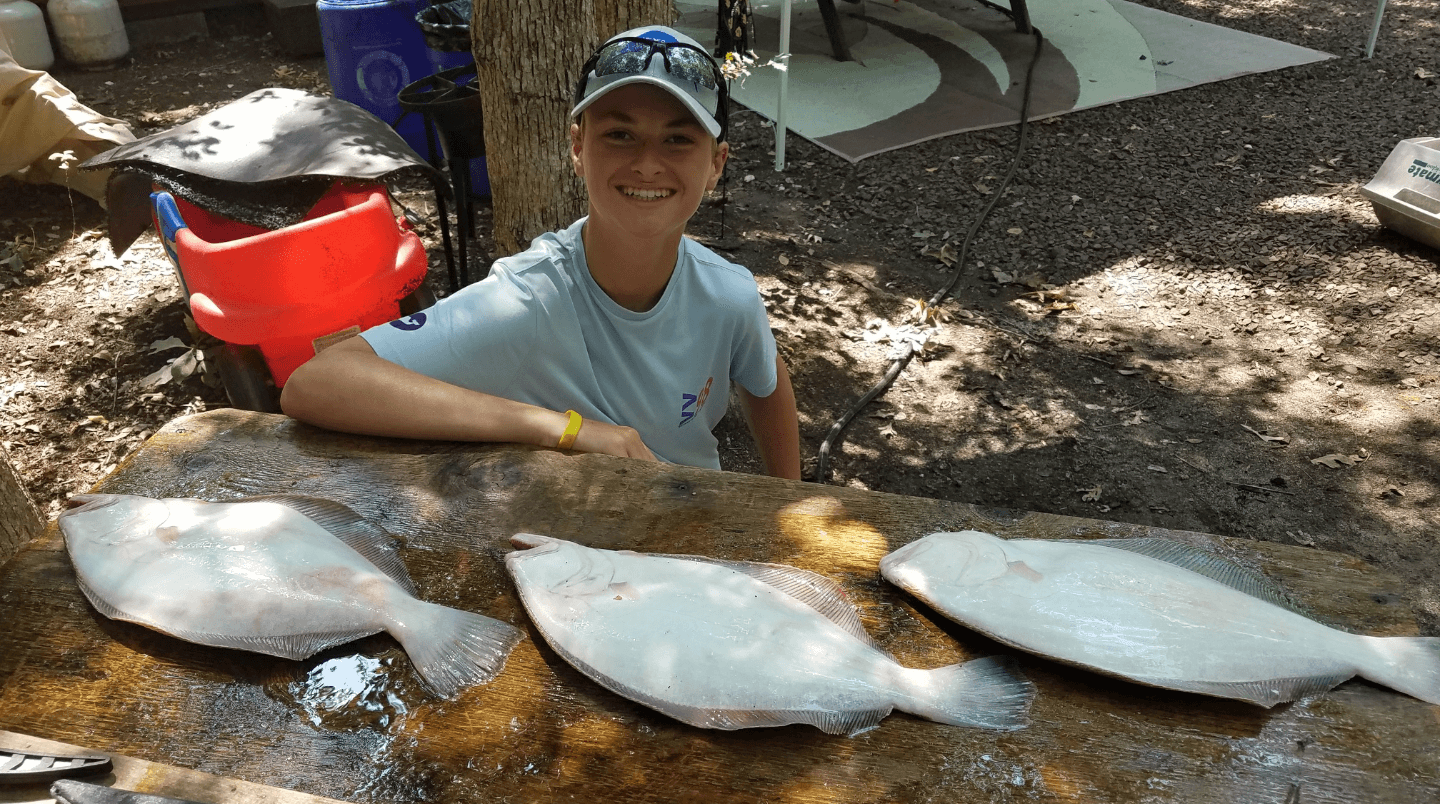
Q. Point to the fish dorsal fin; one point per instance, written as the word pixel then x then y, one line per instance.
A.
pixel 371 541
pixel 1264 692
pixel 813 589
pixel 287 646
pixel 1203 562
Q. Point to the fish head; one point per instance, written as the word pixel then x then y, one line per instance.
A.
pixel 966 558
pixel 560 567
pixel 112 518
pixel 534 541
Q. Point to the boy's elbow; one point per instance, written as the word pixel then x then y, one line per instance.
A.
pixel 314 386
pixel 294 396
pixel 304 392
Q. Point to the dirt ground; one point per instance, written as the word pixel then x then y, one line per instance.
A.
pixel 1182 313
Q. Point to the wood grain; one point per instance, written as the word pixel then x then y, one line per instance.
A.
pixel 19 520
pixel 151 778
pixel 353 723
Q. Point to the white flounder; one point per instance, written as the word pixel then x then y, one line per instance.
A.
pixel 1152 611
pixel 287 576
pixel 731 645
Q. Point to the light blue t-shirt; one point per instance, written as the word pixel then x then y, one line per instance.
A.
pixel 540 330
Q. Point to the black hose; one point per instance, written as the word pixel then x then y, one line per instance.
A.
pixel 822 469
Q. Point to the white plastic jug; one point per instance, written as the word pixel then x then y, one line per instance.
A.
pixel 91 33
pixel 22 29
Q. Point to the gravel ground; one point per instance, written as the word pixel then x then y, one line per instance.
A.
pixel 1180 304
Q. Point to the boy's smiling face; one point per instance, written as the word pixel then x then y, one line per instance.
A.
pixel 646 161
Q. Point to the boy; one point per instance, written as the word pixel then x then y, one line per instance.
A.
pixel 615 335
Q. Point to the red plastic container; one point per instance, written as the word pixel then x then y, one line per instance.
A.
pixel 347 266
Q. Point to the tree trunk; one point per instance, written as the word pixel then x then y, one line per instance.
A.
pixel 528 55
pixel 19 521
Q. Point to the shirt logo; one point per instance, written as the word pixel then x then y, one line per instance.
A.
pixel 690 404
pixel 409 323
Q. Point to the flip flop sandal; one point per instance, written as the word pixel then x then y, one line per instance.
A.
pixel 28 767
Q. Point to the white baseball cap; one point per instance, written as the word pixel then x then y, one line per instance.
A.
pixel 687 72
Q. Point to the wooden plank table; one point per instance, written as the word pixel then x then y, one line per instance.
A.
pixel 354 724
pixel 150 778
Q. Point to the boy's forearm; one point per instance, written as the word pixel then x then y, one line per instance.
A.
pixel 775 425
pixel 350 388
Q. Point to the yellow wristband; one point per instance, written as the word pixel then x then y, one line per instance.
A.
pixel 572 429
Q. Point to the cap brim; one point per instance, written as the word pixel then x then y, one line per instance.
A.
pixel 707 121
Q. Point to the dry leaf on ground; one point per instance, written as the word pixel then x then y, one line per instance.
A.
pixel 1280 440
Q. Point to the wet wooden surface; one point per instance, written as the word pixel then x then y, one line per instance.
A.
pixel 354 724
pixel 150 778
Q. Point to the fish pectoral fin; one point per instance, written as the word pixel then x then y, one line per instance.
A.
pixel 371 541
pixel 1203 562
pixel 818 592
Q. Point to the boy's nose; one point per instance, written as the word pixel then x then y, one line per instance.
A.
pixel 647 162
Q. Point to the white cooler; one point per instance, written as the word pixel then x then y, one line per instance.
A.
pixel 1406 191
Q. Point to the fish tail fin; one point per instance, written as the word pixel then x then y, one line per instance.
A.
pixel 454 649
pixel 1408 664
pixel 989 693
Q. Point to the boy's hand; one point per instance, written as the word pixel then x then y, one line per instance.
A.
pixel 611 439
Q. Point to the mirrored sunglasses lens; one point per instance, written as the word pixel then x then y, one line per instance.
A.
pixel 623 57
pixel 693 66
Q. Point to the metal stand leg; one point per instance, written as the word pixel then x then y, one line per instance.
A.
pixel 784 58
pixel 1375 29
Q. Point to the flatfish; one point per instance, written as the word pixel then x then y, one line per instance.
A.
pixel 732 645
pixel 1152 611
pixel 283 575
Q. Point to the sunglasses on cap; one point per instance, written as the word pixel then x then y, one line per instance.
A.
pixel 631 55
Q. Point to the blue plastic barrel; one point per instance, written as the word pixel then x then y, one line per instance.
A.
pixel 374 49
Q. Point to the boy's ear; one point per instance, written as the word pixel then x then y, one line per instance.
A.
pixel 722 153
pixel 575 157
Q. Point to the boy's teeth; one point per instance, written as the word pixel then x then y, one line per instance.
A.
pixel 637 193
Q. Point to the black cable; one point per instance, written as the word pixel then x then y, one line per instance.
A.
pixel 822 468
